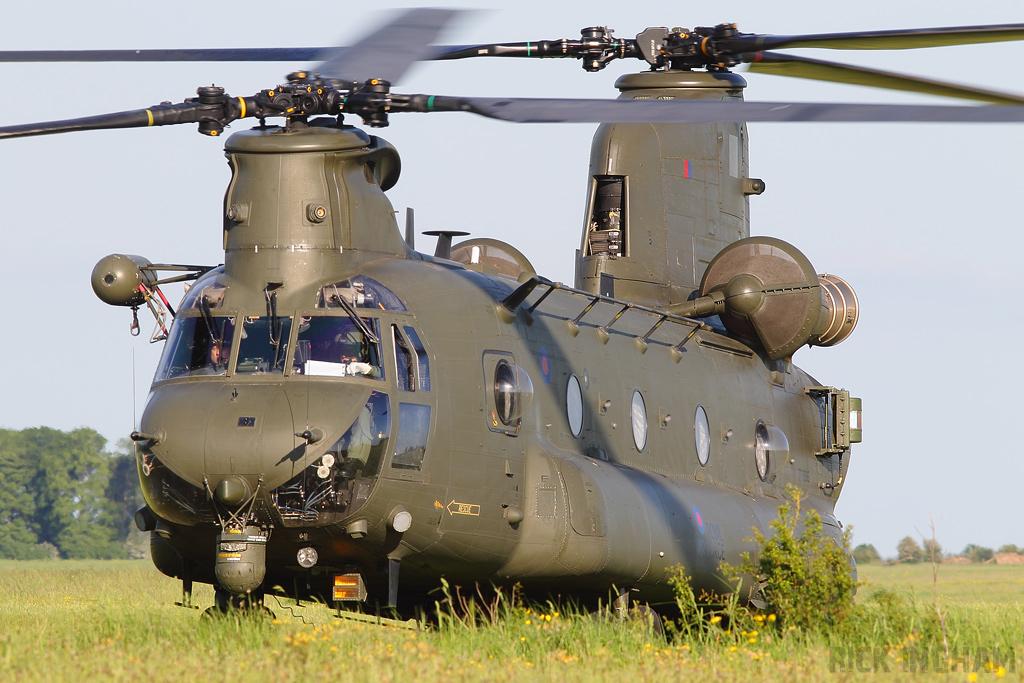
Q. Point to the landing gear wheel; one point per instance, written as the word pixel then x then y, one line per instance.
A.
pixel 225 603
pixel 640 614
pixel 644 614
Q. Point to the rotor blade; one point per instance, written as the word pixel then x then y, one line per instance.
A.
pixel 879 40
pixel 160 115
pixel 388 53
pixel 228 54
pixel 529 110
pixel 242 54
pixel 384 40
pixel 814 69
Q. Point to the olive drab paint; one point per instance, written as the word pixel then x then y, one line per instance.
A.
pixel 521 431
pixel 682 195
pixel 333 408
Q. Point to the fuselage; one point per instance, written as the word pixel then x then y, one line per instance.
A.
pixel 332 403
pixel 598 483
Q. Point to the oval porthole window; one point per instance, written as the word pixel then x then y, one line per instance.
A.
pixel 638 416
pixel 702 435
pixel 762 450
pixel 505 392
pixel 574 405
pixel 513 392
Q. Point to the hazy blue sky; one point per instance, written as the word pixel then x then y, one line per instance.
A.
pixel 922 220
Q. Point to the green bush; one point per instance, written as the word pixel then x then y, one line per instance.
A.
pixel 893 615
pixel 805 575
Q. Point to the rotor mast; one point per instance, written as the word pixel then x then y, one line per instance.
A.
pixel 306 203
pixel 665 197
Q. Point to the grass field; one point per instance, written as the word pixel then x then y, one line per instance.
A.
pixel 957 583
pixel 69 620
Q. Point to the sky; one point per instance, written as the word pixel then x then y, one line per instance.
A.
pixel 922 220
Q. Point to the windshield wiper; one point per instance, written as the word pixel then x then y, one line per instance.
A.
pixel 360 323
pixel 211 325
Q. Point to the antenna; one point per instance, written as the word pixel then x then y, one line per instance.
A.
pixel 410 231
pixel 135 419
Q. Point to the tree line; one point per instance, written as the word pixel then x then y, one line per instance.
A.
pixel 909 550
pixel 63 494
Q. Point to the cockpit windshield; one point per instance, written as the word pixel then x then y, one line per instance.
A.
pixel 263 346
pixel 201 343
pixel 334 346
pixel 198 345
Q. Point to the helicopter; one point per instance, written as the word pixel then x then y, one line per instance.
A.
pixel 467 495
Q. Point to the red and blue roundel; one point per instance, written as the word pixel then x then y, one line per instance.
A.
pixel 698 519
pixel 545 365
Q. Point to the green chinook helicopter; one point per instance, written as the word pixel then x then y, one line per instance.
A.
pixel 338 415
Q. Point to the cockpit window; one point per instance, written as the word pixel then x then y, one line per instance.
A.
pixel 358 452
pixel 411 362
pixel 413 428
pixel 263 345
pixel 334 346
pixel 361 292
pixel 338 482
pixel 421 358
pixel 198 345
pixel 404 365
pixel 209 288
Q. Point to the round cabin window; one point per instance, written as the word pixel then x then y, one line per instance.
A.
pixel 505 393
pixel 702 435
pixel 574 405
pixel 638 417
pixel 513 392
pixel 762 450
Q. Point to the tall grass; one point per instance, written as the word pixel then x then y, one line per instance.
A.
pixel 117 621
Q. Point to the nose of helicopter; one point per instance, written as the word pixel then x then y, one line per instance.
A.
pixel 250 431
pixel 231 435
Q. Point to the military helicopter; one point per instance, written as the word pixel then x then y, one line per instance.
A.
pixel 325 422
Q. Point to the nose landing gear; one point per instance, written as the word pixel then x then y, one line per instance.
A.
pixel 228 604
pixel 241 547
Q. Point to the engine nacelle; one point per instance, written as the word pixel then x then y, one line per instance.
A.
pixel 842 310
pixel 771 295
pixel 116 279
